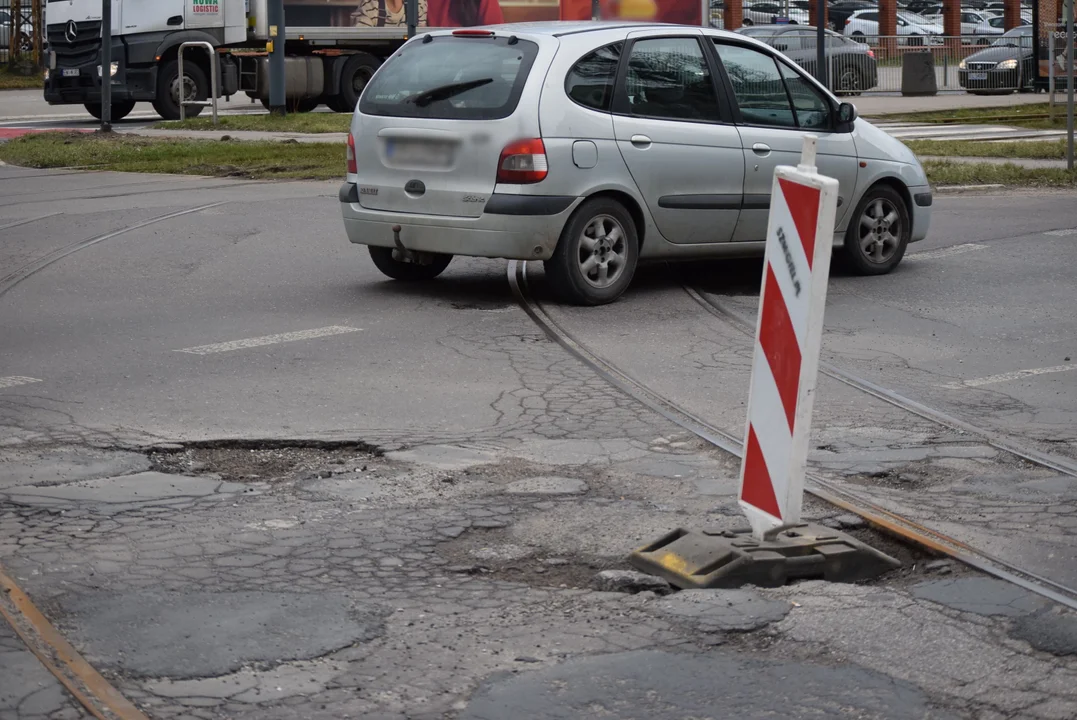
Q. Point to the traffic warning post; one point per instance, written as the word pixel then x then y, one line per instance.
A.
pixel 789 331
pixel 778 547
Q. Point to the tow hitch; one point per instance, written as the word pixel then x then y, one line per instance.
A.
pixel 402 254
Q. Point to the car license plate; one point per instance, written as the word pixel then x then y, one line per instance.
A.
pixel 977 76
pixel 418 153
pixel 71 72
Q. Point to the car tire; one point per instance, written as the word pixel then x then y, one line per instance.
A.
pixel 599 237
pixel 406 271
pixel 878 232
pixel 195 83
pixel 858 36
pixel 119 110
pixel 746 22
pixel 354 77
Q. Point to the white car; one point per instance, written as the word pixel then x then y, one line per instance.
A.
pixel 912 29
pixel 973 22
pixel 767 13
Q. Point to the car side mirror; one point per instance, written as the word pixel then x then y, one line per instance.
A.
pixel 846 113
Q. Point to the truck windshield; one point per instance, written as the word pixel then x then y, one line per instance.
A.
pixel 465 78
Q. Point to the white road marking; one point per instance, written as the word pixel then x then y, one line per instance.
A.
pixel 16 380
pixel 269 340
pixel 1062 233
pixel 1006 377
pixel 946 252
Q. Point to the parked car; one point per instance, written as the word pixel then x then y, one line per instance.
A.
pixel 839 11
pixel 973 22
pixel 851 66
pixel 912 29
pixel 1008 65
pixel 26 39
pixel 765 13
pixel 593 146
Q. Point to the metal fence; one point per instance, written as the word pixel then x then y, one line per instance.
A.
pixel 18 39
pixel 877 64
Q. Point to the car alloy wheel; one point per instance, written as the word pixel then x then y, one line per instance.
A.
pixel 880 231
pixel 603 255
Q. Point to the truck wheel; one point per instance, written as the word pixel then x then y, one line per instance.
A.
pixel 120 110
pixel 409 272
pixel 596 254
pixel 195 87
pixel 356 74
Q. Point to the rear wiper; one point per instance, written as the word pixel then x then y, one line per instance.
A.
pixel 446 91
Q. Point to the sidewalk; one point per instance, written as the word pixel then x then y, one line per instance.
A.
pixel 247 135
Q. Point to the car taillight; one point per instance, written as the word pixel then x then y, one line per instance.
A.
pixel 352 167
pixel 848 21
pixel 871 54
pixel 522 162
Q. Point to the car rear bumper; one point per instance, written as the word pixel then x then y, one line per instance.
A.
pixel 514 227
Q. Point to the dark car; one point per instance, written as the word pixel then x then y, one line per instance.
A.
pixel 1007 65
pixel 851 67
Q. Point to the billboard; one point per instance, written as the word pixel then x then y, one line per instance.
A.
pixel 682 12
pixel 432 13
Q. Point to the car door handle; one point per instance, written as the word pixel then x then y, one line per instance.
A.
pixel 761 149
pixel 641 141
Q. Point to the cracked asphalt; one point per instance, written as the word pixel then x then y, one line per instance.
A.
pixel 405 519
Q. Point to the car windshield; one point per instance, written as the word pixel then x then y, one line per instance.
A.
pixel 451 77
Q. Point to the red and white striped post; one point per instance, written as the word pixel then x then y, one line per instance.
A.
pixel 788 336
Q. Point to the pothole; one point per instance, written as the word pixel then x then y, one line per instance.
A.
pixel 268 463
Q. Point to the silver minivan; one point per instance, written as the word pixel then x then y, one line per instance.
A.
pixel 592 146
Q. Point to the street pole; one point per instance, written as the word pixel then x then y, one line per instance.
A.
pixel 820 41
pixel 277 36
pixel 106 66
pixel 1069 84
pixel 411 13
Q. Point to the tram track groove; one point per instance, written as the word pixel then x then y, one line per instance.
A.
pixel 13 278
pixel 822 488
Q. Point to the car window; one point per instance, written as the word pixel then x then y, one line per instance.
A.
pixel 590 81
pixel 757 85
pixel 451 77
pixel 812 109
pixel 872 16
pixel 668 78
pixel 786 41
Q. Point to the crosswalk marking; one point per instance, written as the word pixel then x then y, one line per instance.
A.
pixel 16 380
pixel 269 340
pixel 946 252
pixel 1006 377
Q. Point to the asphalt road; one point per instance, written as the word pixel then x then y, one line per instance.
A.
pixel 310 576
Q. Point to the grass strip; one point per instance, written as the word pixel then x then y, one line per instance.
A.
pixel 944 172
pixel 293 122
pixel 126 153
pixel 325 161
pixel 1034 149
pixel 14 81
pixel 1024 116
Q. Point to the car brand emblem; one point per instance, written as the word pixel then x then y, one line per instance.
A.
pixel 72 32
pixel 415 187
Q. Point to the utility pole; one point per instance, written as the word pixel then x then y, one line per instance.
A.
pixel 1069 84
pixel 820 41
pixel 106 66
pixel 277 36
pixel 411 16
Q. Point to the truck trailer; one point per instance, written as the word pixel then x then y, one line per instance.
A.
pixel 332 47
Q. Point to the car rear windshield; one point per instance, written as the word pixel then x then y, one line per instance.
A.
pixel 452 77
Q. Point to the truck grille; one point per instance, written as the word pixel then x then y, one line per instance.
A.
pixel 83 50
pixel 980 65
